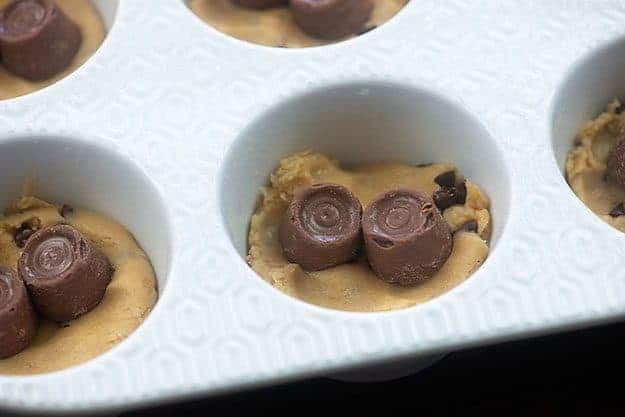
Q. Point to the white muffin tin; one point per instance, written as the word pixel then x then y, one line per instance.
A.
pixel 171 128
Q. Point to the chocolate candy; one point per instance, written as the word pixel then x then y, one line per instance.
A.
pixel 616 161
pixel 331 19
pixel 18 321
pixel 261 4
pixel 37 40
pixel 66 275
pixel 321 227
pixel 406 238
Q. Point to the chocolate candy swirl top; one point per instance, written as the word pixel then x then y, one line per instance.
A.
pixel 406 238
pixel 64 272
pixel 331 19
pixel 37 40
pixel 261 4
pixel 321 227
pixel 18 321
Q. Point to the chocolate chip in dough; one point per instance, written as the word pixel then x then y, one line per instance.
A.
pixel 26 230
pixel 446 179
pixel 461 192
pixel 618 210
pixel 445 197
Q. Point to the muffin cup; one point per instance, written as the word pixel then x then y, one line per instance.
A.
pixel 171 128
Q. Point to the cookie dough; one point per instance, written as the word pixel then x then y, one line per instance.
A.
pixel 586 165
pixel 275 27
pixel 353 286
pixel 87 17
pixel 127 301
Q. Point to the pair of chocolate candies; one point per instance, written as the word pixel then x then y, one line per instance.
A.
pixel 37 40
pixel 326 19
pixel 405 236
pixel 60 274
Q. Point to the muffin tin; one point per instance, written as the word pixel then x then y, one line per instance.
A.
pixel 171 127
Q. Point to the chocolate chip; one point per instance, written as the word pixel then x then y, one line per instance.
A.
pixel 446 179
pixel 22 236
pixel 67 210
pixel 26 230
pixel 618 210
pixel 461 192
pixel 445 197
pixel 470 226
pixel 427 164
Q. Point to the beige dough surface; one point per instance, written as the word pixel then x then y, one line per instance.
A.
pixel 586 165
pixel 275 26
pixel 128 299
pixel 354 286
pixel 85 15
